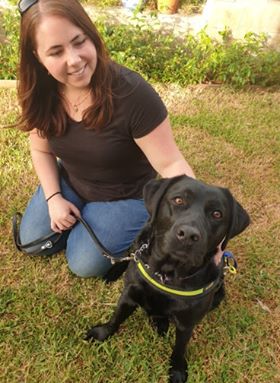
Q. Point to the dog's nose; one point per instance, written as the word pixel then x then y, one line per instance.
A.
pixel 187 234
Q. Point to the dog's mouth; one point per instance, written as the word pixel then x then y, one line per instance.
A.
pixel 189 258
pixel 178 264
pixel 186 257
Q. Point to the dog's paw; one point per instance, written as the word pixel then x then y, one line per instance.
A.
pixel 177 376
pixel 100 333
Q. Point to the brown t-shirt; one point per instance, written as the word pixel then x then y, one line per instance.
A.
pixel 107 165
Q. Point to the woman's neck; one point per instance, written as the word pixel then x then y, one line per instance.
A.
pixel 76 101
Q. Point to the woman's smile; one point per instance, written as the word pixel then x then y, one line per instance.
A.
pixel 78 72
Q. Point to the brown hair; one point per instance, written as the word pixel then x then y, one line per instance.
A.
pixel 38 93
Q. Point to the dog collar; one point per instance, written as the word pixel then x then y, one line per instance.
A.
pixel 144 272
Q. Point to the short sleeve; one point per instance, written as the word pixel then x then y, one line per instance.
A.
pixel 147 109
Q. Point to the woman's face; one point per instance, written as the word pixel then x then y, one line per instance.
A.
pixel 66 52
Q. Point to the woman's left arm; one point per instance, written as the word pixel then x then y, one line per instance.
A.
pixel 162 152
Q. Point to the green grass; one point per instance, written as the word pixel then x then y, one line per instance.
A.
pixel 231 139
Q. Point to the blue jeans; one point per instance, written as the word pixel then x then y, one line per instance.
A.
pixel 115 223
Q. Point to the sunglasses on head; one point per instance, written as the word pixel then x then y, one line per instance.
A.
pixel 24 5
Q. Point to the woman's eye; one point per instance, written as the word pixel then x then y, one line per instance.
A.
pixel 217 214
pixel 80 42
pixel 56 53
pixel 179 201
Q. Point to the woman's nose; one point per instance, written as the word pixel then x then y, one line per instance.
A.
pixel 73 57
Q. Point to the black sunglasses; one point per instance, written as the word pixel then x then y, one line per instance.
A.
pixel 24 5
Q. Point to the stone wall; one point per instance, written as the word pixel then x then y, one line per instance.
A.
pixel 242 16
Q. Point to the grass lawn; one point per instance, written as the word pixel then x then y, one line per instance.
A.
pixel 231 139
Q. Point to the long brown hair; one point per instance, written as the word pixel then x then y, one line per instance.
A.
pixel 38 93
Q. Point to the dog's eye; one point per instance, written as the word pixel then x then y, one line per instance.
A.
pixel 178 201
pixel 217 214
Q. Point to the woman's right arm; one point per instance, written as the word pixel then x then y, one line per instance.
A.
pixel 62 212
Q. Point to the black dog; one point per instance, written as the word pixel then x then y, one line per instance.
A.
pixel 175 275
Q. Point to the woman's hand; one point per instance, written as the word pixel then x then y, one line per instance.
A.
pixel 219 254
pixel 63 213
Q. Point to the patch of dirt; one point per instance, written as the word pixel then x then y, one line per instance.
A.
pixel 179 100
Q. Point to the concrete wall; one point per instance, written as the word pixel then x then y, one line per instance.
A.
pixel 243 16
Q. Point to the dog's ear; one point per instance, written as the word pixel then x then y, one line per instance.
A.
pixel 154 191
pixel 240 219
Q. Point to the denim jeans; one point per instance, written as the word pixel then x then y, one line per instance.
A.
pixel 115 223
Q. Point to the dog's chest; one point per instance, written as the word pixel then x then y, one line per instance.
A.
pixel 159 303
pixel 163 304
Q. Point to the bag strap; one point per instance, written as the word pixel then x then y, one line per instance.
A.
pixel 45 241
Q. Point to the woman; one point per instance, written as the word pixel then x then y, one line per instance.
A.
pixel 106 125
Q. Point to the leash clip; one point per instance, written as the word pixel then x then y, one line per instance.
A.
pixel 136 255
pixel 230 262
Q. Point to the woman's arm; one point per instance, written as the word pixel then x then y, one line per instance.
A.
pixel 61 211
pixel 45 164
pixel 162 152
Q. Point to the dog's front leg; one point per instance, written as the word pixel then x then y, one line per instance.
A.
pixel 178 372
pixel 124 309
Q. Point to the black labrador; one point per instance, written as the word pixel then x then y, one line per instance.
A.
pixel 176 276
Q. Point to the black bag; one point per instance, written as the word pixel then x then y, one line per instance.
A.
pixel 40 246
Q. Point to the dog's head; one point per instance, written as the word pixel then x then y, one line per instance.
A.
pixel 189 219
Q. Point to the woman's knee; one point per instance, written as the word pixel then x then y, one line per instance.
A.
pixel 86 265
pixel 113 225
pixel 34 225
pixel 42 245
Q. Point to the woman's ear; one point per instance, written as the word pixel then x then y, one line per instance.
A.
pixel 36 56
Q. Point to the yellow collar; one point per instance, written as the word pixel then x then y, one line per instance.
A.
pixel 168 289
